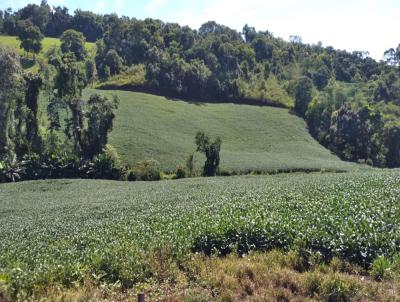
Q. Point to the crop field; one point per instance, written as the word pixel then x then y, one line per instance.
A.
pixel 57 232
pixel 254 138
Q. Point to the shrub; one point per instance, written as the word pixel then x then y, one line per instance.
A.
pixel 336 288
pixel 380 268
pixel 190 165
pixel 312 283
pixel 180 172
pixel 396 264
pixel 107 165
pixel 147 170
pixel 211 150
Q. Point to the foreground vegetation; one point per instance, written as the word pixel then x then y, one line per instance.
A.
pixel 255 139
pixel 270 276
pixel 57 233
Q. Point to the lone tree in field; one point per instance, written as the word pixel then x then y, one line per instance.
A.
pixel 211 150
pixel 31 39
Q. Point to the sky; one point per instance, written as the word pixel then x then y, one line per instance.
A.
pixel 364 25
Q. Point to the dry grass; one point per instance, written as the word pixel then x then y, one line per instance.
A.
pixel 272 276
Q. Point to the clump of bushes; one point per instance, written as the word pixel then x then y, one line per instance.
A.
pixel 381 268
pixel 106 165
pixel 147 170
pixel 180 172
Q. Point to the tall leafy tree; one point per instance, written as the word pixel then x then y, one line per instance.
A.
pixel 31 39
pixel 60 21
pixel 100 116
pixel 69 83
pixel 392 141
pixel 303 95
pixel 89 24
pixel 73 42
pixel 11 85
pixel 211 150
pixel 33 85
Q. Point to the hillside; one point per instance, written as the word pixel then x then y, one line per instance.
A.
pixel 47 44
pixel 254 138
pixel 12 41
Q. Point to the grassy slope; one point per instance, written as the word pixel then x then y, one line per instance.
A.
pixel 47 43
pixel 254 138
pixel 13 42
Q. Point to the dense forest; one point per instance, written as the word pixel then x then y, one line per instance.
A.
pixel 350 102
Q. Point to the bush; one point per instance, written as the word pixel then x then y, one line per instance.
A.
pixel 180 172
pixel 107 165
pixel 337 288
pixel 380 268
pixel 147 170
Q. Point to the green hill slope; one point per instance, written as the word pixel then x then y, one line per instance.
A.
pixel 13 42
pixel 254 138
pixel 47 43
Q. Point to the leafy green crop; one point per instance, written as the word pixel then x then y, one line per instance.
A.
pixel 57 232
pixel 263 139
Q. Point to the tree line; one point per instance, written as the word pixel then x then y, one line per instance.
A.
pixel 72 141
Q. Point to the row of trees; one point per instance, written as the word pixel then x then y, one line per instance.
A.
pixel 356 131
pixel 76 131
pixel 53 21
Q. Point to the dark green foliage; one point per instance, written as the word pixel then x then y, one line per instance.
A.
pixel 69 83
pixel 33 83
pixel 60 21
pixel 100 116
pixel 353 131
pixel 392 56
pixel 73 41
pixel 263 49
pixel 211 150
pixel 11 86
pixel 147 170
pixel 31 39
pixel 190 165
pixel 114 62
pixel 321 77
pixel 88 23
pixel 180 172
pixel 388 88
pixel 107 165
pixel 391 136
pixel 39 15
pixel 91 71
pixel 303 95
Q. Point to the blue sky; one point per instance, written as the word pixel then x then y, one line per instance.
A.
pixel 367 25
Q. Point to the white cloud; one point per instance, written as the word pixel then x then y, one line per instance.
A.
pixel 154 5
